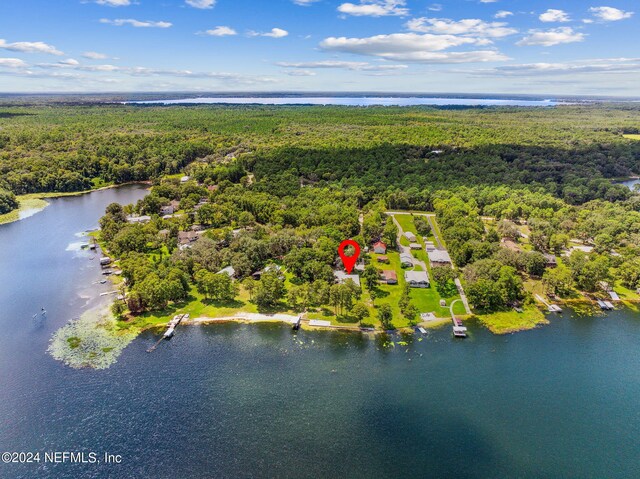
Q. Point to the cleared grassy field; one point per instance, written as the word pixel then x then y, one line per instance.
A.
pixel 28 205
pixel 512 321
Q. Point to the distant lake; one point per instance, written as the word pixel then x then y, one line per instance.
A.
pixel 350 101
pixel 631 183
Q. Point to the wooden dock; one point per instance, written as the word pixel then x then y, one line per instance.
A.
pixel 171 329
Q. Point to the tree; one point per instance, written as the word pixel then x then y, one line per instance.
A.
pixel 371 276
pixel 443 274
pixel 629 273
pixel 250 285
pixel 422 225
pixel 558 281
pixel 360 312
pixel 485 295
pixel 270 289
pixel 385 316
pixel 390 233
pixel 118 308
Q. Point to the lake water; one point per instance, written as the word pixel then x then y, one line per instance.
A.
pixel 351 101
pixel 257 401
pixel 631 183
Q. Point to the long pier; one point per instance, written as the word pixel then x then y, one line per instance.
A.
pixel 171 329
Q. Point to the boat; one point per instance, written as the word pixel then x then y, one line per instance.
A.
pixel 169 333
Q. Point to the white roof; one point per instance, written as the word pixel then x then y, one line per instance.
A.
pixel 416 276
pixel 439 256
pixel 614 295
pixel 228 270
pixel 406 257
pixel 409 235
pixel 343 277
pixel 319 322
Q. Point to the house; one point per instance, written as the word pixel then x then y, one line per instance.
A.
pixel 166 210
pixel 380 248
pixel 429 245
pixel 410 236
pixel 271 267
pixel 389 276
pixel 550 260
pixel 417 279
pixel 383 259
pixel 212 187
pixel 342 277
pixel 105 261
pixel 439 257
pixel 187 237
pixel 138 219
pixel 228 271
pixel 406 260
pixel 510 244
pixel 415 246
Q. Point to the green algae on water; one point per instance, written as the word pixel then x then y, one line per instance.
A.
pixel 93 341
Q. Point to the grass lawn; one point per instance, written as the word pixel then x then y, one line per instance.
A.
pixel 28 204
pixel 632 137
pixel 512 321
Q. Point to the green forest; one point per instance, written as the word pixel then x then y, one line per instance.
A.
pixel 525 199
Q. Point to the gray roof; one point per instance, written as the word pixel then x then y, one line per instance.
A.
pixel 439 256
pixel 343 277
pixel 228 270
pixel 416 276
pixel 406 258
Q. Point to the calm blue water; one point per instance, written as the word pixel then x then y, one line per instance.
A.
pixel 353 101
pixel 257 401
pixel 631 183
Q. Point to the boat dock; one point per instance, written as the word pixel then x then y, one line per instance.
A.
pixel 605 305
pixel 171 330
pixel 459 329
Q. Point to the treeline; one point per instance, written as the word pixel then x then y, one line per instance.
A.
pixel 8 201
pixel 406 153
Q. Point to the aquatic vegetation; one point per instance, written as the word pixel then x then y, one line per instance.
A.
pixel 93 341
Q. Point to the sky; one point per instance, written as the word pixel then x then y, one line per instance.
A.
pixel 554 47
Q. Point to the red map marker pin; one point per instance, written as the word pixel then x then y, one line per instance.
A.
pixel 349 261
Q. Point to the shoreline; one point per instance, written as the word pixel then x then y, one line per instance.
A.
pixel 37 201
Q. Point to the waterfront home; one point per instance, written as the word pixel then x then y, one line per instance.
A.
pixel 389 276
pixel 380 248
pixel 166 210
pixel 138 219
pixel 417 279
pixel 229 270
pixel 342 277
pixel 383 259
pixel 406 260
pixel 439 257
pixel 105 261
pixel 410 236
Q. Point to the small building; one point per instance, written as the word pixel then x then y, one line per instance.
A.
pixel 417 279
pixel 184 179
pixel 380 248
pixel 212 187
pixel 229 270
pixel 550 260
pixel 270 267
pixel 439 257
pixel 187 237
pixel 166 210
pixel 342 277
pixel 415 246
pixel 389 276
pixel 410 236
pixel 429 245
pixel 138 219
pixel 105 261
pixel 614 296
pixel 406 260
pixel 383 259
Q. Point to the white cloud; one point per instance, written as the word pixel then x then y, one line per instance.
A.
pixel 201 3
pixel 114 3
pixel 221 31
pixel 436 7
pixel 274 33
pixel 30 47
pixel 136 23
pixel 69 62
pixel 503 14
pixel 300 73
pixel 412 47
pixel 549 38
pixel 94 55
pixel 353 66
pixel 470 26
pixel 375 8
pixel 553 15
pixel 304 3
pixel 12 63
pixel 605 65
pixel 488 1
pixel 610 14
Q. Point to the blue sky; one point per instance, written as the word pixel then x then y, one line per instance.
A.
pixel 468 46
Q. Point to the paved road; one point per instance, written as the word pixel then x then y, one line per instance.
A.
pixel 406 249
